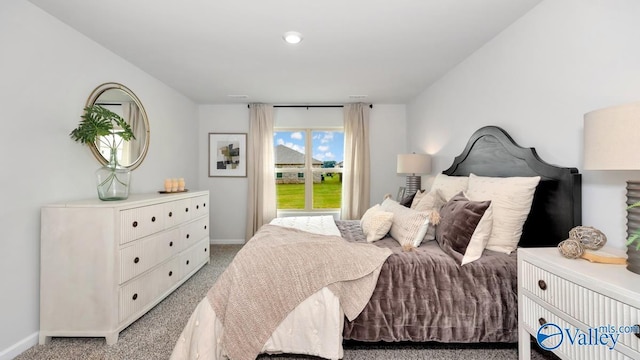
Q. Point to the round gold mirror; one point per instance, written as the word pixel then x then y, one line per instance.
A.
pixel 122 101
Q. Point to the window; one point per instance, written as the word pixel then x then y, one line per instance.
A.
pixel 308 180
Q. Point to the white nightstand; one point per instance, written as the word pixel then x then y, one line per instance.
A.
pixel 584 306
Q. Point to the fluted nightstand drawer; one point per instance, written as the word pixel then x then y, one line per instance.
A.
pixel 536 316
pixel 596 306
pixel 592 308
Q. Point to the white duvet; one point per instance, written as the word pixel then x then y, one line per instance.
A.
pixel 314 327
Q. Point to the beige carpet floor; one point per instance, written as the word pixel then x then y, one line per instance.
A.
pixel 154 335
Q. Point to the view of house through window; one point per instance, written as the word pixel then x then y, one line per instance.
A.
pixel 308 168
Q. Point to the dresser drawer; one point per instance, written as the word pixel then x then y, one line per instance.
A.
pixel 194 256
pixel 145 253
pixel 135 295
pixel 171 274
pixel 140 222
pixel 194 231
pixel 199 206
pixel 578 302
pixel 177 212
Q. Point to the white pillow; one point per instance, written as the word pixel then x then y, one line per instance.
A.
pixel 480 237
pixel 431 201
pixel 511 198
pixel 409 226
pixel 376 223
pixel 450 185
pixel 417 197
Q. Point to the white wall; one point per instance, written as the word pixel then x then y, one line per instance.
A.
pixel 536 80
pixel 229 195
pixel 48 70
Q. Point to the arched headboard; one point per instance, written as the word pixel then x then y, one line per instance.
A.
pixel 557 203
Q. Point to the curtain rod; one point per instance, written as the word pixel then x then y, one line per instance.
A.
pixel 309 106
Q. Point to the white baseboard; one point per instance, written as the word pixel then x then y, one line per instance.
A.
pixel 224 242
pixel 19 347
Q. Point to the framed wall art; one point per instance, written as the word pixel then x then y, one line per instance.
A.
pixel 227 154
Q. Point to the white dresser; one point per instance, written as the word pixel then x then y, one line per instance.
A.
pixel 106 263
pixel 590 305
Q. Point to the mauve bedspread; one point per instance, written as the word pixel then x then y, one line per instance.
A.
pixel 423 295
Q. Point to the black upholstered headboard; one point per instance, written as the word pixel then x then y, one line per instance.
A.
pixel 557 203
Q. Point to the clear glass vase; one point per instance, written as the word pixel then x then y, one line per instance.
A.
pixel 113 181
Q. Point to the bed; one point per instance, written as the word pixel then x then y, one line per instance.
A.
pixel 418 293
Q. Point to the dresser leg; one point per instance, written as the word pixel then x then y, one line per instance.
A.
pixel 44 340
pixel 111 339
pixel 524 344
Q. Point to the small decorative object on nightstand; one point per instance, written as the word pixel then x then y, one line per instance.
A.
pixel 590 237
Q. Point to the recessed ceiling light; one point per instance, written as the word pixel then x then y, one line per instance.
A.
pixel 238 96
pixel 292 37
pixel 357 96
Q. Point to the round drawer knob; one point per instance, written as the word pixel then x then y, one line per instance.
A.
pixel 205 249
pixel 542 321
pixel 136 260
pixel 135 224
pixel 542 284
pixel 187 236
pixel 637 334
pixel 170 273
pixel 170 243
pixel 135 296
pixel 197 207
pixel 186 209
pixel 170 213
pixel 153 219
pixel 187 262
pixel 205 227
pixel 204 205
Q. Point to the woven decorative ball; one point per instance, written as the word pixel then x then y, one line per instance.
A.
pixel 590 237
pixel 571 248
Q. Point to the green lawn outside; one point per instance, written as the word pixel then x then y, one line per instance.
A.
pixel 326 194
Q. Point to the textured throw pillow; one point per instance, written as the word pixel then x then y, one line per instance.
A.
pixel 433 200
pixel 409 226
pixel 459 220
pixel 450 185
pixel 376 223
pixel 511 198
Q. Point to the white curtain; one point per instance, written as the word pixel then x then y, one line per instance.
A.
pixel 356 172
pixel 131 114
pixel 260 168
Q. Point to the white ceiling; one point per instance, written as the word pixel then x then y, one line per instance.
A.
pixel 390 50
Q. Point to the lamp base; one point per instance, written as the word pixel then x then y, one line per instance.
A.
pixel 633 223
pixel 414 182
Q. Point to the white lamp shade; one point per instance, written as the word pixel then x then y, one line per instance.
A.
pixel 414 164
pixel 612 138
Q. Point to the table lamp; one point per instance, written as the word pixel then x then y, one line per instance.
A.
pixel 414 165
pixel 612 142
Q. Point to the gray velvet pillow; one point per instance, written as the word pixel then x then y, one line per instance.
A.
pixel 459 218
